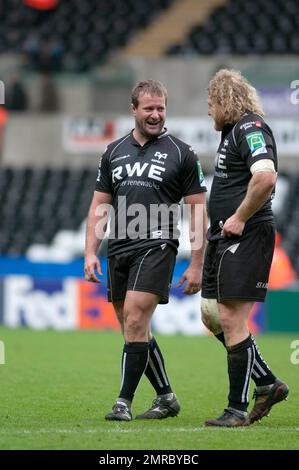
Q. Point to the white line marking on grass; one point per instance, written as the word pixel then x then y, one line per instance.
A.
pixel 96 430
pixel 168 430
pixel 138 430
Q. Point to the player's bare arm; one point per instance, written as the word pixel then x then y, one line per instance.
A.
pixel 198 228
pixel 258 192
pixel 96 227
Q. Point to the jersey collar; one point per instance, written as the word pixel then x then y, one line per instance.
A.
pixel 226 129
pixel 154 139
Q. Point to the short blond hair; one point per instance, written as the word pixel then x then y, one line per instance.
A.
pixel 150 87
pixel 230 90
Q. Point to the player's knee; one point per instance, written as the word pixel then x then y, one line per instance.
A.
pixel 134 325
pixel 227 321
pixel 210 315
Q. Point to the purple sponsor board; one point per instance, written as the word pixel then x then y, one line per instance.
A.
pixel 277 102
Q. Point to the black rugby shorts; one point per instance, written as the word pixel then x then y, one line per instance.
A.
pixel 237 268
pixel 147 270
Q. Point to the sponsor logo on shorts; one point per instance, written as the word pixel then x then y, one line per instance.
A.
pixel 261 285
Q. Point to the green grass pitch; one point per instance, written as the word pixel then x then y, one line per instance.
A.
pixel 56 388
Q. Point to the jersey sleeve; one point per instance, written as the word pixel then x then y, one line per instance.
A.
pixel 103 183
pixel 255 143
pixel 192 177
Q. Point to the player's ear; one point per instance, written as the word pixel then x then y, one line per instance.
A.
pixel 133 109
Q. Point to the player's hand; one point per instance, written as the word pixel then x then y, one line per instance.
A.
pixel 193 278
pixel 233 226
pixel 92 264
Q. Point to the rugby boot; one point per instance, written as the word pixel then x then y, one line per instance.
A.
pixel 265 398
pixel 120 412
pixel 162 407
pixel 230 418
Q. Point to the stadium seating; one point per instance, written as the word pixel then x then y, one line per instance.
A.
pixel 36 203
pixel 43 211
pixel 75 35
pixel 260 27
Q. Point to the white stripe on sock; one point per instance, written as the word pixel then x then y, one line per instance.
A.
pixel 255 374
pixel 259 353
pixel 162 370
pixel 250 363
pixel 123 370
pixel 257 364
pixel 152 366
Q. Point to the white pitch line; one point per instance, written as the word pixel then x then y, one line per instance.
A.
pixel 138 430
pixel 98 430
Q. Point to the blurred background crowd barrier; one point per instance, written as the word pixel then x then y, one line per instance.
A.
pixel 67 69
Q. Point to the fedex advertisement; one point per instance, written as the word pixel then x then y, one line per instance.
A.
pixel 45 300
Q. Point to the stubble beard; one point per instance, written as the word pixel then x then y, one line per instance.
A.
pixel 149 135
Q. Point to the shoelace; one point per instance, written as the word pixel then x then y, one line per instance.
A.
pixel 156 402
pixel 227 413
pixel 120 407
pixel 160 401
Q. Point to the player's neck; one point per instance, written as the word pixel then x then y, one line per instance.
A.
pixel 140 138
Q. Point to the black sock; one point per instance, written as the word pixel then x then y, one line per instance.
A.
pixel 240 359
pixel 155 370
pixel 261 374
pixel 134 361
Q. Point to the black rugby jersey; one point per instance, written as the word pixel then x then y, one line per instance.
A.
pixel 241 145
pixel 140 180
